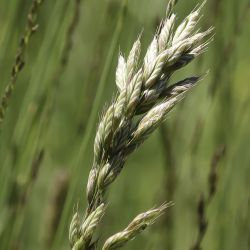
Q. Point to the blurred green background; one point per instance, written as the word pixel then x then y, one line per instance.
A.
pixel 46 142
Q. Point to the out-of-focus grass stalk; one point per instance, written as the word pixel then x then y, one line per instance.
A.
pixel 30 29
pixel 20 203
pixel 57 201
pixel 169 181
pixel 204 201
pixel 90 127
pixel 12 9
pixel 70 34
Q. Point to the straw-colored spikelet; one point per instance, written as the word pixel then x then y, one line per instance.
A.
pixel 142 103
pixel 139 224
pixel 80 234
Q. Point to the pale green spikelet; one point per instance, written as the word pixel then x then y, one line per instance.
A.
pixel 139 224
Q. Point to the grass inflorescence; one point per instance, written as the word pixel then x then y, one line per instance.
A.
pixel 145 97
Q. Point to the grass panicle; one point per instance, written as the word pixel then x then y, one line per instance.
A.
pixel 142 103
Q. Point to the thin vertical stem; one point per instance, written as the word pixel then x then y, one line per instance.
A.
pixel 204 201
pixel 19 62
pixel 170 181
